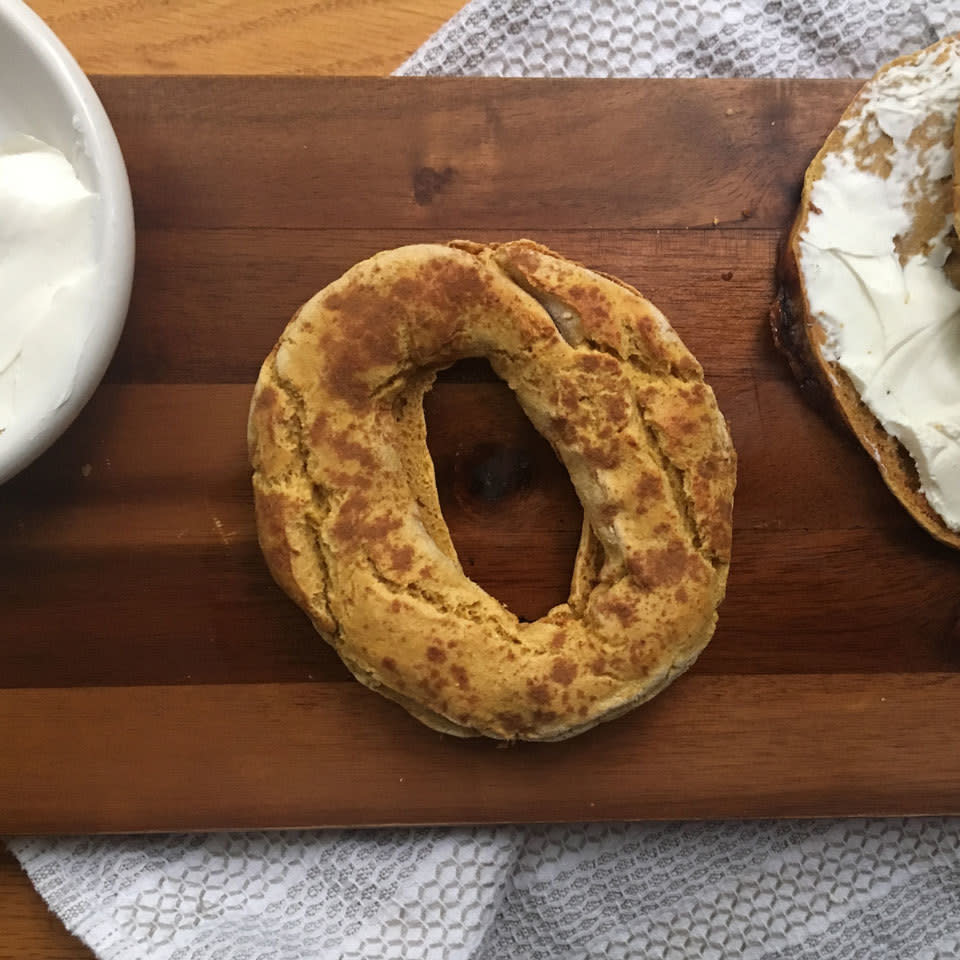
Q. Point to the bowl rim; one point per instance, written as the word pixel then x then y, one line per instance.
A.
pixel 115 236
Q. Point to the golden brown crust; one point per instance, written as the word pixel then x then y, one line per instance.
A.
pixel 348 514
pixel 799 337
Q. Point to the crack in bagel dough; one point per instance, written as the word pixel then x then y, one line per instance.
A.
pixel 348 514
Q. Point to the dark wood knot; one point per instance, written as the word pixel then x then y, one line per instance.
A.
pixel 427 183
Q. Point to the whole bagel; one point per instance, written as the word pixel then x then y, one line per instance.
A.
pixel 349 519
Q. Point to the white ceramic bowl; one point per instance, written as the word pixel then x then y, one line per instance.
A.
pixel 44 93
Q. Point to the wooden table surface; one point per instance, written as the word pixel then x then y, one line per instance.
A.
pixel 202 37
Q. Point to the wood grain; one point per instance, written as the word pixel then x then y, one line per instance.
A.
pixel 235 289
pixel 707 747
pixel 346 37
pixel 454 154
pixel 167 528
pixel 137 607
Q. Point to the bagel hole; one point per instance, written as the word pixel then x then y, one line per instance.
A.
pixel 508 502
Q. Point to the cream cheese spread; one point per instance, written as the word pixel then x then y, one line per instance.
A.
pixel 872 256
pixel 48 258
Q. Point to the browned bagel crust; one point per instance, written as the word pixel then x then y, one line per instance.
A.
pixel 347 509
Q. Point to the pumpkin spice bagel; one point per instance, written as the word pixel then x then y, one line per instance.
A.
pixel 349 518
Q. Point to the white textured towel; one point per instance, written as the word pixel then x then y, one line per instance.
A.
pixel 811 890
pixel 681 38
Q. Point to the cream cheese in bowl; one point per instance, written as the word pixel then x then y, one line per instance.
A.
pixel 66 238
pixel 47 274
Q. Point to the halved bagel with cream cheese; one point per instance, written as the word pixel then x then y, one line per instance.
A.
pixel 867 313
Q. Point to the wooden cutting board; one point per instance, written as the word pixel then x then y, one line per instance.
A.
pixel 154 678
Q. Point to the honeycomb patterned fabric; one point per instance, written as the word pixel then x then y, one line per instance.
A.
pixel 813 890
pixel 798 890
pixel 681 38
